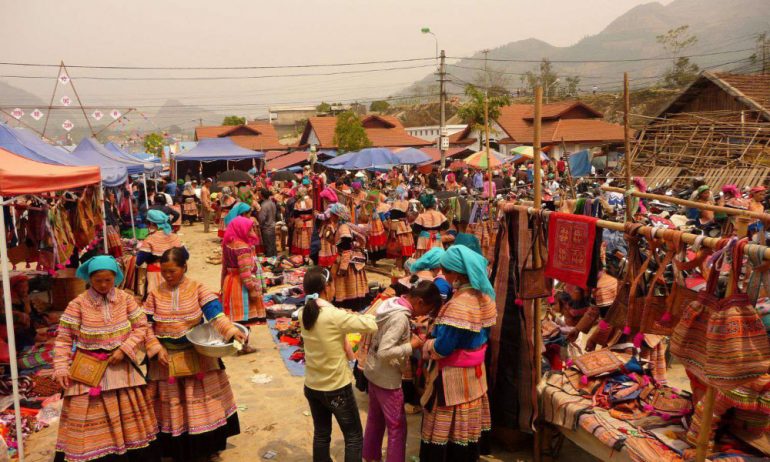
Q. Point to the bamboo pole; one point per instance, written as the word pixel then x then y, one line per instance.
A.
pixel 665 234
pixel 765 217
pixel 627 143
pixel 489 155
pixel 538 333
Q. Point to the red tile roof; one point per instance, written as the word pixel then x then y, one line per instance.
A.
pixel 288 160
pixel 255 136
pixel 462 137
pixel 558 110
pixel 383 131
pixel 516 122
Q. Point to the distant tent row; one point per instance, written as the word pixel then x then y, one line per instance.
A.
pixel 115 164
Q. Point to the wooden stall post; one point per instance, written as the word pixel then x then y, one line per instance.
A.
pixel 538 187
pixel 489 156
pixel 627 144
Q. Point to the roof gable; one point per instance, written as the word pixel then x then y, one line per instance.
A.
pixel 378 121
pixel 256 136
pixel 516 122
pixel 749 90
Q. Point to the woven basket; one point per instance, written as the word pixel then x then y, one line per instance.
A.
pixel 66 286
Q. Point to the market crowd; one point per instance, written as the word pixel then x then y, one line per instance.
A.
pixel 134 385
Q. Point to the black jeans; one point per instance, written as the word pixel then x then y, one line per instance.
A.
pixel 342 404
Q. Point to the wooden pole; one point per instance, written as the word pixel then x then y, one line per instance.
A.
pixel 538 333
pixel 489 155
pixel 627 143
pixel 568 170
pixel 687 203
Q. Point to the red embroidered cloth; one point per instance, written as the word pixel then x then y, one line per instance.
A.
pixel 570 247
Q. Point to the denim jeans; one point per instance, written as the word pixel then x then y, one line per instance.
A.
pixel 342 405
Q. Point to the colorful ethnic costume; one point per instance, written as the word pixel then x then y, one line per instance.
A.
pixel 456 408
pixel 113 418
pixel 428 227
pixel 242 278
pixel 400 240
pixel 350 282
pixel 196 412
pixel 303 227
pixel 377 238
pixel 150 251
pixel 328 253
pixel 189 204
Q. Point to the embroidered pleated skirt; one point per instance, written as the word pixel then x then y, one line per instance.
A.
pixel 300 238
pixel 116 422
pixel 235 300
pixel 426 241
pixel 196 414
pixel 401 233
pixel 454 433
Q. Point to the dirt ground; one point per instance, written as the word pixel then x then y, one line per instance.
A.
pixel 275 416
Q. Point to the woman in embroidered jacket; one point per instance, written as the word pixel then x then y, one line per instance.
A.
pixel 429 225
pixel 113 418
pixel 160 239
pixel 400 241
pixel 303 223
pixel 242 209
pixel 196 412
pixel 456 409
pixel 350 283
pixel 242 278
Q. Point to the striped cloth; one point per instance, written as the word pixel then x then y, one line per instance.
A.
pixel 328 252
pixel 111 423
pixel 158 242
pixel 461 424
pixel 350 281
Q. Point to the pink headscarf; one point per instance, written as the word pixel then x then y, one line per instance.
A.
pixel 450 178
pixel 239 230
pixel 329 195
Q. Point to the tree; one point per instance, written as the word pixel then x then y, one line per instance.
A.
pixel 349 134
pixel 153 144
pixel 379 106
pixel 544 77
pixel 472 111
pixel 762 56
pixel 674 42
pixel 323 108
pixel 234 120
pixel 571 84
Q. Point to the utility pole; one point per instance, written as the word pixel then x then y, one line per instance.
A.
pixel 443 140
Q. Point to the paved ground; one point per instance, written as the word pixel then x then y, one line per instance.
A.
pixel 275 416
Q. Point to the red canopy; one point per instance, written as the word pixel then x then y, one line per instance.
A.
pixel 19 175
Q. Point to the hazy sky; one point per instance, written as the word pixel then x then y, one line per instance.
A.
pixel 266 33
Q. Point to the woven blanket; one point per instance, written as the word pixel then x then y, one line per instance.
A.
pixel 570 248
pixel 561 404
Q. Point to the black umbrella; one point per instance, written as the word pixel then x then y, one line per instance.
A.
pixel 234 176
pixel 283 175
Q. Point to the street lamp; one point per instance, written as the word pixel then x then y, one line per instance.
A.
pixel 426 30
pixel 548 88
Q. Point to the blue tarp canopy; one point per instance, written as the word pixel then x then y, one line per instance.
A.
pixel 149 167
pixel 211 149
pixel 27 144
pixel 413 156
pixel 365 158
pixel 91 147
pixel 144 157
pixel 580 164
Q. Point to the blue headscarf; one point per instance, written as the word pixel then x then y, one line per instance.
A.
pixel 463 260
pixel 430 260
pixel 470 241
pixel 160 219
pixel 238 209
pixel 400 192
pixel 340 211
pixel 98 263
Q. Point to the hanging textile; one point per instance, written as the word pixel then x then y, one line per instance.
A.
pixel 571 240
pixel 512 380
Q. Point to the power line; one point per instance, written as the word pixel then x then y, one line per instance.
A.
pixel 250 77
pixel 213 68
pixel 577 61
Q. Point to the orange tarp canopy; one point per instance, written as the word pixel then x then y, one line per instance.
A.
pixel 19 175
